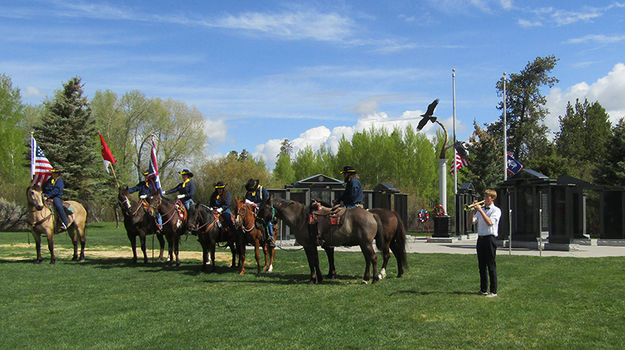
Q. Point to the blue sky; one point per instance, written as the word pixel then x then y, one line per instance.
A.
pixel 314 71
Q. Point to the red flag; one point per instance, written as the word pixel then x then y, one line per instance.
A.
pixel 39 165
pixel 107 156
pixel 153 169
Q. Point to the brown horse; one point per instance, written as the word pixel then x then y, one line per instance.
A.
pixel 43 221
pixel 173 225
pixel 394 238
pixel 357 227
pixel 295 215
pixel 205 223
pixel 251 233
pixel 138 222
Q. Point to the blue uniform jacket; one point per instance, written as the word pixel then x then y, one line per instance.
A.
pixel 261 194
pixel 54 189
pixel 353 193
pixel 222 201
pixel 144 188
pixel 187 190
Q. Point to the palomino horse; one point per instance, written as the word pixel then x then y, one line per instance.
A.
pixel 205 222
pixel 173 225
pixel 43 221
pixel 250 233
pixel 138 222
pixel 357 227
pixel 295 215
pixel 394 238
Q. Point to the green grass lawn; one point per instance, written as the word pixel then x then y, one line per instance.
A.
pixel 544 302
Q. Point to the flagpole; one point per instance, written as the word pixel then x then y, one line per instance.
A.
pixel 505 133
pixel 32 156
pixel 453 87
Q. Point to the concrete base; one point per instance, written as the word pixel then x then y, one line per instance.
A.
pixel 582 241
pixel 518 244
pixel 564 247
pixel 442 239
pixel 611 242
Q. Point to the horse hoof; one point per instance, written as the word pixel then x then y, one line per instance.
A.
pixel 82 259
pixel 382 274
pixel 52 262
pixel 270 268
pixel 74 258
pixel 364 282
pixel 37 261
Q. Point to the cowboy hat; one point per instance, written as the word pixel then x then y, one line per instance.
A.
pixel 348 169
pixel 186 172
pixel 219 185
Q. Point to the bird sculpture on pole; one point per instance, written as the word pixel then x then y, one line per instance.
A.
pixel 428 115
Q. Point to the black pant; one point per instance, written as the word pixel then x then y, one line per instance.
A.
pixel 486 253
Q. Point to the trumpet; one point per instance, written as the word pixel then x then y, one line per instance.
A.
pixel 468 207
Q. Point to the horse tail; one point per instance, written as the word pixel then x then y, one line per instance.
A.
pixel 400 240
pixel 379 236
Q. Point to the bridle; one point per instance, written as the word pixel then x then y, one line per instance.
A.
pixel 244 209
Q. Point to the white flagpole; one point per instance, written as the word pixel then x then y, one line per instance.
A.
pixel 453 87
pixel 505 133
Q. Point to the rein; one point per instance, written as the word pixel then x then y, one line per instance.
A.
pixel 242 224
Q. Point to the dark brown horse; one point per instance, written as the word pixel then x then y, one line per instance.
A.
pixel 173 225
pixel 251 233
pixel 357 227
pixel 295 216
pixel 43 221
pixel 205 223
pixel 138 222
pixel 394 238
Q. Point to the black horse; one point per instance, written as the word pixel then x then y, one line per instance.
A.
pixel 173 225
pixel 138 222
pixel 205 223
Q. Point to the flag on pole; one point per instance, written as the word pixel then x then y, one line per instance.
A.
pixel 460 163
pixel 107 156
pixel 514 166
pixel 153 170
pixel 40 166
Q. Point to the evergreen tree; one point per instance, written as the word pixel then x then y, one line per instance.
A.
pixel 283 173
pixel 68 137
pixel 485 169
pixel 611 167
pixel 584 130
pixel 525 109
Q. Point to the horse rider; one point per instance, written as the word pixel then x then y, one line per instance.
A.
pixel 53 191
pixel 352 196
pixel 220 200
pixel 145 189
pixel 185 189
pixel 254 196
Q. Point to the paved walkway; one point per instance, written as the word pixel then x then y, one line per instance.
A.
pixel 467 246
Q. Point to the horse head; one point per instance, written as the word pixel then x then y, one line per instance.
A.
pixel 34 196
pixel 154 203
pixel 245 214
pixel 265 210
pixel 124 201
pixel 195 216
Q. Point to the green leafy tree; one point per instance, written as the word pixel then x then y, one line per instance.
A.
pixel 584 130
pixel 525 109
pixel 283 173
pixel 485 169
pixel 68 137
pixel 12 136
pixel 304 164
pixel 611 167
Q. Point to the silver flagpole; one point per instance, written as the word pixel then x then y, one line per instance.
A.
pixel 453 87
pixel 505 133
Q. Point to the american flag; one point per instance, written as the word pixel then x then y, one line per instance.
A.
pixel 153 170
pixel 39 165
pixel 460 163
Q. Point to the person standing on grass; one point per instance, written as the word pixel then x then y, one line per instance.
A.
pixel 487 219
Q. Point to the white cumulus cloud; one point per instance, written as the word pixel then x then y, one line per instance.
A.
pixel 609 91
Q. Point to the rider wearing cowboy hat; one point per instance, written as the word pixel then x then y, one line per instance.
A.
pixel 220 200
pixel 255 195
pixel 147 188
pixel 352 196
pixel 185 188
pixel 53 190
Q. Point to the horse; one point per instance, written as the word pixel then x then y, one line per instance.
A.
pixel 265 215
pixel 43 221
pixel 251 233
pixel 394 238
pixel 358 227
pixel 295 215
pixel 138 222
pixel 205 223
pixel 173 226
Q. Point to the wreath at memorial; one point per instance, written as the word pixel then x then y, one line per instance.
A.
pixel 423 216
pixel 438 210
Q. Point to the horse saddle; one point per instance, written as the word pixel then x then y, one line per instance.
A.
pixel 69 212
pixel 181 210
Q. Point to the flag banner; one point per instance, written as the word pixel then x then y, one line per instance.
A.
pixel 107 156
pixel 460 163
pixel 514 166
pixel 153 170
pixel 39 165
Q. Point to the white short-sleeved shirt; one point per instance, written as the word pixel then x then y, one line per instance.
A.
pixel 483 229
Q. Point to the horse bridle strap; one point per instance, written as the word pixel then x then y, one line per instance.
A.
pixel 43 220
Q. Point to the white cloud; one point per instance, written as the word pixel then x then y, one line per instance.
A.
pixel 321 135
pixel 32 91
pixel 528 24
pixel 215 130
pixel 598 38
pixel 609 91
